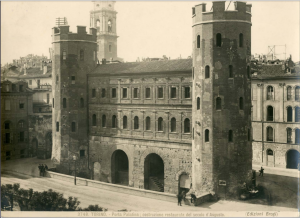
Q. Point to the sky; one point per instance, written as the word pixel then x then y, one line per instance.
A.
pixel 145 28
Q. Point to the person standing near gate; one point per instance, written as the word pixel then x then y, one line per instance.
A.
pixel 40 169
pixel 179 198
pixel 261 171
pixel 43 170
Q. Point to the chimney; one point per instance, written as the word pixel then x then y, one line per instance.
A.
pixel 103 61
pixel 45 69
pixel 25 73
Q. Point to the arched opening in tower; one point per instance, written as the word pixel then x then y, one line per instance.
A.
pixel 154 173
pixel 119 168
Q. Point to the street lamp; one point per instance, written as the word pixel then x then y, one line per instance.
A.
pixel 75 158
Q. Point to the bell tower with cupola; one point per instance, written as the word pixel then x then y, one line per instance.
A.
pixel 103 17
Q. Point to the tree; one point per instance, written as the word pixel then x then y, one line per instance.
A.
pixel 93 208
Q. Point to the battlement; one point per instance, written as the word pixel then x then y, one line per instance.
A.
pixel 63 33
pixel 218 12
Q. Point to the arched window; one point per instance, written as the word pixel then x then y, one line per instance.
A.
pixel 21 124
pixel 241 41
pixel 230 71
pixel 198 103
pixel 289 114
pixel 198 41
pixel 125 122
pixel 148 123
pixel 230 136
pixel 219 39
pixel 218 103
pixel 269 134
pixel 114 122
pixel 297 114
pixel 270 93
pixel 98 23
pixel 81 102
pixel 94 120
pixel 103 121
pixel 160 124
pixel 64 103
pixel 136 122
pixel 289 135
pixel 73 127
pixel 173 124
pixel 248 72
pixel 241 103
pixel 206 135
pixel 289 93
pixel 297 136
pixel 207 72
pixel 297 93
pixel 187 125
pixel 270 116
pixel 109 25
pixel 81 55
pixel 270 152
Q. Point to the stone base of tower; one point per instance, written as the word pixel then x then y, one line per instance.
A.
pixel 203 198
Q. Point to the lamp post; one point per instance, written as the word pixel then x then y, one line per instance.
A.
pixel 75 158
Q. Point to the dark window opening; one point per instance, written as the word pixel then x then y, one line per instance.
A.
pixel 103 121
pixel 135 93
pixel 173 92
pixel 270 93
pixel 160 124
pixel 198 103
pixel 6 126
pixel 269 152
pixel 270 134
pixel 218 103
pixel 93 93
pixel 173 124
pixel 53 102
pixel 82 153
pixel 21 105
pixel 124 92
pixel 114 123
pixel 148 123
pixel 297 114
pixel 22 138
pixel 64 103
pixel 136 122
pixel 73 79
pixel 7 138
pixel 73 127
pixel 297 136
pixel 187 125
pixel 198 41
pixel 230 71
pixel 241 103
pixel 241 41
pixel 230 136
pixel 289 114
pixel 38 83
pixel 187 92
pixel 289 135
pixel 270 113
pixel 94 120
pixel 22 153
pixel 219 39
pixel 114 93
pixel 103 93
pixel 148 93
pixel 125 122
pixel 160 92
pixel 57 126
pixel 297 93
pixel 206 135
pixel 207 72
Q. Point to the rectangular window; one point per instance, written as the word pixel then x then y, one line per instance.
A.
pixel 21 105
pixel 124 92
pixel 73 127
pixel 30 82
pixel 113 92
pixel 7 138
pixel 148 93
pixel 93 93
pixel 135 93
pixel 14 87
pixel 38 83
pixel 173 92
pixel 22 153
pixel 103 93
pixel 187 92
pixel 82 153
pixel 6 126
pixel 160 92
pixel 48 98
pixel 73 79
pixel 21 88
pixel 22 136
pixel 7 105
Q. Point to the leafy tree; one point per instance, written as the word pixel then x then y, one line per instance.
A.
pixel 93 208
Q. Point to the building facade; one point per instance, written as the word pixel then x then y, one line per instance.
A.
pixel 276 114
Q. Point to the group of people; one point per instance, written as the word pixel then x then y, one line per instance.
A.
pixel 42 168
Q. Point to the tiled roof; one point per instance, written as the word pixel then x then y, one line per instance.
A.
pixel 145 67
pixel 273 71
pixel 36 73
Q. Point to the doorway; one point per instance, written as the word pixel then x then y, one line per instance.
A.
pixel 119 168
pixel 292 159
pixel 154 173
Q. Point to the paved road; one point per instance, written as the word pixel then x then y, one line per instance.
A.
pixel 118 201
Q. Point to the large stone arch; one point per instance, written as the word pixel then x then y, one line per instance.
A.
pixel 148 151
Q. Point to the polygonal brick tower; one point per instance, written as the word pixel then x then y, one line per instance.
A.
pixel 222 148
pixel 74 55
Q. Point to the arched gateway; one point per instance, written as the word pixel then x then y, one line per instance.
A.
pixel 292 159
pixel 154 173
pixel 119 168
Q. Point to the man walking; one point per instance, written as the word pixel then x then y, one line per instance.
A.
pixel 179 197
pixel 40 169
pixel 261 171
pixel 43 170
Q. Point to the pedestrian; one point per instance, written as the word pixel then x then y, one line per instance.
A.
pixel 43 170
pixel 40 169
pixel 192 193
pixel 179 197
pixel 46 167
pixel 261 171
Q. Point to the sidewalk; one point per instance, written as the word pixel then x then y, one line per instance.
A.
pixel 278 171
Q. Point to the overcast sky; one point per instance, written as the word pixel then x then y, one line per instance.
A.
pixel 145 29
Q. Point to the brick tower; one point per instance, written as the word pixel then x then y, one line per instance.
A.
pixel 222 148
pixel 74 55
pixel 103 18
